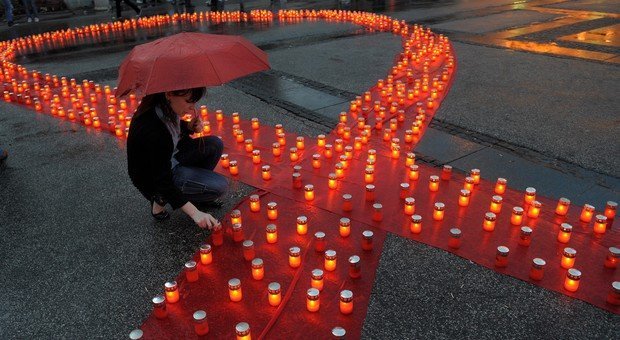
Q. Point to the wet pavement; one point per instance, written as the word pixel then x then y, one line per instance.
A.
pixel 81 257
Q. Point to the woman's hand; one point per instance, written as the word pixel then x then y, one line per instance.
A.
pixel 204 220
pixel 195 124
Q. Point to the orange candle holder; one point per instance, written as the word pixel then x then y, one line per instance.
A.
pixel 206 254
pixel 612 259
pixel 369 175
pixel 266 172
pixel 328 151
pixel 501 257
pixel 562 208
pixel 610 210
pixel 316 161
pixel 316 280
pixel 469 183
pixel 332 181
pixel 404 190
pixel 530 195
pixel 239 136
pixel 330 260
pixel 370 193
pixel 159 307
pixel 313 303
pixel 235 216
pixel 217 235
pixel 344 227
pixel 538 269
pixel 496 204
pixel 464 197
pixel 242 330
pixel 248 250
pixel 455 238
pixel 534 209
pixel 320 141
pixel 339 170
pixel 416 224
pixel 410 160
pixel 256 156
pixel 346 302
pixel 254 203
pixel 525 237
pixel 302 225
pixel 294 156
pixel 191 271
pixel 446 173
pixel 377 214
pixel 294 257
pixel 258 272
pixel 201 326
pixel 517 216
pixel 409 206
pixel 587 213
pixel 433 183
pixel 500 186
pixel 489 221
pixel 568 258
pixel 237 232
pixel 309 192
pixel 367 236
pixel 319 241
pixel 475 174
pixel 565 232
pixel 613 298
pixel 347 202
pixel 271 233
pixel 275 294
pixel 276 149
pixel 249 145
pixel 573 276
pixel 233 168
pixel 600 224
pixel 438 211
pixel 171 290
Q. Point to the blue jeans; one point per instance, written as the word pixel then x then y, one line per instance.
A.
pixel 32 4
pixel 194 174
pixel 8 7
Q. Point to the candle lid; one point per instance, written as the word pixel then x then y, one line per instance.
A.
pixel 497 199
pixel 564 201
pixel 205 248
pixel 369 170
pixel 501 180
pixel 588 207
pixel 317 274
pixel 233 163
pixel 264 168
pixel 271 228
pixel 565 227
pixel 190 265
pixel 404 186
pixel 159 300
pixel 574 274
pixel 447 168
pixel 296 168
pixel 416 218
pixel 297 176
pixel 465 192
pixel 170 286
pixel 601 218
pixel 235 283
pixel 330 254
pixel 256 263
pixel 136 334
pixel 614 251
pixel 570 252
pixel 490 216
pixel 517 210
pixel 434 178
pixel 414 167
pixel 367 234
pixel 410 155
pixel 235 213
pixel 331 175
pixel 536 204
pixel 248 244
pixel 538 263
pixel 321 136
pixel 345 221
pixel 319 235
pixel 224 156
pixel 242 329
pixel 526 230
pixel 346 295
pixel 302 219
pixel 455 232
pixel 370 187
pixel 613 206
pixel 475 171
pixel 347 197
pixel 316 156
pixel 237 227
pixel 377 206
pixel 309 187
pixel 439 206
pixel 530 191
pixel 300 138
pixel 294 251
pixel 272 205
pixel 313 294
pixel 200 316
pixel 273 288
pixel 354 259
pixel 293 149
pixel 503 250
pixel 616 286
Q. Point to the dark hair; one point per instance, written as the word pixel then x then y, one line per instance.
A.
pixel 159 99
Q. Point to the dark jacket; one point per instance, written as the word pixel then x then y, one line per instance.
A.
pixel 149 149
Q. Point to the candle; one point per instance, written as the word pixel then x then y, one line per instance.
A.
pixel 408 136
pixel 316 280
pixel 496 204
pixel 191 272
pixel 316 161
pixel 272 211
pixel 254 203
pixel 395 151
pixel 404 190
pixel 500 186
pixel 206 254
pixel 279 129
pixel 501 257
pixel 416 224
pixel 369 176
pixel 255 123
pixel 410 159
pixel 409 206
pixel 275 149
pixel 600 224
pixel 489 221
pixel 438 211
pixel 282 139
pixel 367 237
pixel 346 302
pixel 530 195
pixel 344 227
pixel 464 197
pixel 293 154
pixel 242 329
pixel 538 268
pixel 237 231
pixel 239 136
pixel 159 307
pixel 320 141
pixel 339 170
pixel 339 145
pixel 258 272
pixel 562 208
pixel 271 233
pixel 330 260
pixel 370 193
pixel 224 161
pixel 249 146
pixel 266 172
pixel 332 181
pixel 372 154
pixel 433 183
pixel 217 235
pixel 568 258
pixel 572 280
pixel 201 326
pixel 319 241
pixel 234 170
pixel 327 151
pixel 235 216
pixel 302 225
pixel 339 333
pixel 517 216
pixel 446 172
pixel 136 334
pixel 469 183
pixel 357 144
pixel 294 257
pixel 312 300
pixel 377 214
pixel 275 294
pixel 475 174
pixel 611 261
pixel 534 209
pixel 248 250
pixel 587 213
pixel 610 210
pixel 525 238
pixel 613 297
pixel 309 192
pixel 565 232
pixel 172 291
pixel 347 204
pixel 455 238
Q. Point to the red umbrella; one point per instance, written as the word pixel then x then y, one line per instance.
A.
pixel 188 60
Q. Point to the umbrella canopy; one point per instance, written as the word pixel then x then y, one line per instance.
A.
pixel 188 60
